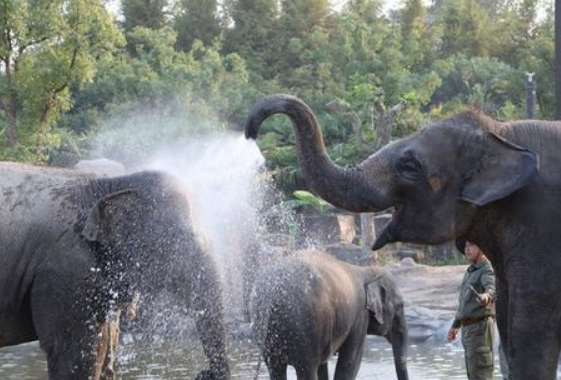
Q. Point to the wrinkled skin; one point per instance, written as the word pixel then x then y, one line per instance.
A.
pixel 308 306
pixel 75 253
pixel 497 184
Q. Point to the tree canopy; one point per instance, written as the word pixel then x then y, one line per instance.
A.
pixel 67 67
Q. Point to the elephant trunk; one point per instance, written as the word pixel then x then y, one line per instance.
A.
pixel 209 321
pixel 399 346
pixel 345 188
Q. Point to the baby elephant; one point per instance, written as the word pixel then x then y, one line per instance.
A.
pixel 309 306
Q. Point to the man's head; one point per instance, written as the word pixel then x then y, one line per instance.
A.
pixel 473 252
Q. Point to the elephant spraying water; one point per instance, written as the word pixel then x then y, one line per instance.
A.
pixel 76 250
pixel 467 177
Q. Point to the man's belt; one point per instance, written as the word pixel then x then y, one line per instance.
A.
pixel 471 321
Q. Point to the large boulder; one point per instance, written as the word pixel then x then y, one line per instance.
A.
pixel 349 253
pixel 330 228
pixel 430 294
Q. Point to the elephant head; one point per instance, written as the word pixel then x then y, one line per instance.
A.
pixel 436 179
pixel 146 243
pixel 387 317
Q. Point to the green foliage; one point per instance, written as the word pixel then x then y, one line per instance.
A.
pixel 305 198
pixel 464 28
pixel 145 13
pixel 201 83
pixel 483 83
pixel 49 45
pixel 255 24
pixel 64 76
pixel 196 20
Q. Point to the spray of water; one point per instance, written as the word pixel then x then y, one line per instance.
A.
pixel 232 200
pixel 221 174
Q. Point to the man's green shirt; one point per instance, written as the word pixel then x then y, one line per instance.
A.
pixel 482 278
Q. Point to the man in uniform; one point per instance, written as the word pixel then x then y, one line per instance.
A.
pixel 475 314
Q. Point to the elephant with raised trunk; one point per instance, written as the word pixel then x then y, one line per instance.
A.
pixel 308 306
pixel 76 250
pixel 467 177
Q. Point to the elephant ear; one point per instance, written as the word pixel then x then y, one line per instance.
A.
pixel 375 300
pixel 106 212
pixel 504 168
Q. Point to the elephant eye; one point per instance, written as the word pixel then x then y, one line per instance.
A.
pixel 410 168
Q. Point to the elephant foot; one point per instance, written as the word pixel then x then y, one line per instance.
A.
pixel 208 374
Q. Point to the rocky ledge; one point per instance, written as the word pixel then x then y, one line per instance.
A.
pixel 431 294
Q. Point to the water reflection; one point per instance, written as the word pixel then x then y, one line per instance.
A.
pixel 171 361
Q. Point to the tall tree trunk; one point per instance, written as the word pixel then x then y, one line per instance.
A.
pixel 10 105
pixel 558 59
pixel 11 129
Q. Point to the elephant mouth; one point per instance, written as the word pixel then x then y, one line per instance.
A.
pixel 389 231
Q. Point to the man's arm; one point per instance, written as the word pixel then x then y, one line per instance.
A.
pixel 488 283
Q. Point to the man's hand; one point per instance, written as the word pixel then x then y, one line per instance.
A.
pixel 452 334
pixel 484 299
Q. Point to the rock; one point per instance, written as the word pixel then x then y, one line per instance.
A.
pixel 423 323
pixel 280 240
pixel 349 253
pixel 430 295
pixel 415 255
pixel 407 262
pixel 330 228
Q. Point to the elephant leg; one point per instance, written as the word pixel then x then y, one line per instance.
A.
pixel 276 369
pixel 76 353
pixel 502 326
pixel 533 333
pixel 64 322
pixel 533 354
pixel 306 372
pixel 350 355
pixel 323 373
pixel 205 297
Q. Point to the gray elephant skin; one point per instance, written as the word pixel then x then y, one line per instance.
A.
pixel 75 250
pixel 308 306
pixel 497 184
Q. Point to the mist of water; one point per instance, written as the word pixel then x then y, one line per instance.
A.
pixel 219 169
pixel 221 173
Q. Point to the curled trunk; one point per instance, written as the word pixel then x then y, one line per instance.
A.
pixel 345 188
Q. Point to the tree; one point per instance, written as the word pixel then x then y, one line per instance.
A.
pixel 197 20
pixel 558 59
pixel 512 31
pixel 146 13
pixel 46 46
pixel 464 28
pixel 412 17
pixel 420 39
pixel 253 34
pixel 299 17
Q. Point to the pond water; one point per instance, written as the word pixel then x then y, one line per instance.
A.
pixel 172 360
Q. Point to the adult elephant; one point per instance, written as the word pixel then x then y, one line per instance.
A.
pixel 308 306
pixel 75 250
pixel 497 184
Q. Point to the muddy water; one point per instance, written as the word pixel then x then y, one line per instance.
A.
pixel 171 361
